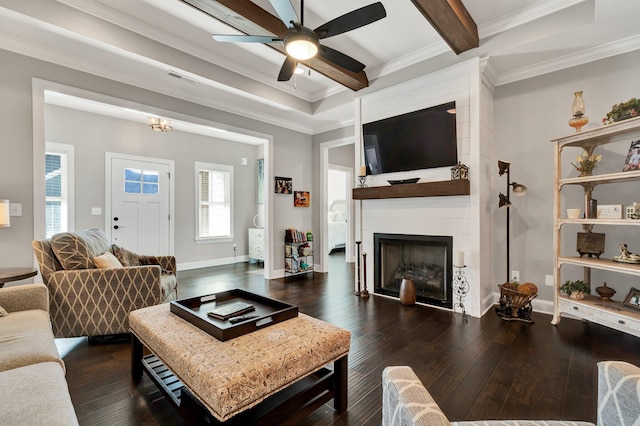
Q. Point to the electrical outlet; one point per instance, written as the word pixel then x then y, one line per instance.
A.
pixel 548 280
pixel 515 276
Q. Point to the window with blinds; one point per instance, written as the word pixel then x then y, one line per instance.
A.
pixel 58 188
pixel 215 206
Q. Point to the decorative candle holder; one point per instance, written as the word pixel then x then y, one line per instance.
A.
pixel 460 289
pixel 365 293
pixel 358 292
pixel 363 181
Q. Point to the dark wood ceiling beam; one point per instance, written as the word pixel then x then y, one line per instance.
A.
pixel 248 18
pixel 452 21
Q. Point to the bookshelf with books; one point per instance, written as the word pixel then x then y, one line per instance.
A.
pixel 298 254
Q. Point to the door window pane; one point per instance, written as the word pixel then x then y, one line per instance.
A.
pixel 138 181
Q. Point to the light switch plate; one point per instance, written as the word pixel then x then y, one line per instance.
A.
pixel 96 211
pixel 15 209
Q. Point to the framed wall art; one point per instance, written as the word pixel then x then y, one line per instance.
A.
pixel 301 199
pixel 284 185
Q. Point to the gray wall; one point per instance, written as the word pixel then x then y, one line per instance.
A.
pixel 527 115
pixel 343 156
pixel 93 135
pixel 292 150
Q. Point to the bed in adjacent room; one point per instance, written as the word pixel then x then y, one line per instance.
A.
pixel 337 226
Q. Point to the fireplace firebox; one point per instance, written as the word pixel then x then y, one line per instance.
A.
pixel 426 259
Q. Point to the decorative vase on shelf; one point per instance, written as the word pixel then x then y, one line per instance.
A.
pixel 606 293
pixel 408 292
pixel 578 120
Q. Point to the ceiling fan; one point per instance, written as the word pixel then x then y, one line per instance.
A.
pixel 302 43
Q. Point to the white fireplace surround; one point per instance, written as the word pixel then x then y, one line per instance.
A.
pixel 465 218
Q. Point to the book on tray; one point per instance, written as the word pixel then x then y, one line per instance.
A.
pixel 232 310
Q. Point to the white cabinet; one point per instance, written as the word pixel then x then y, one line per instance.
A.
pixel 256 244
pixel 609 313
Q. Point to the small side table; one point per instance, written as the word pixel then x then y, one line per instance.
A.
pixel 16 274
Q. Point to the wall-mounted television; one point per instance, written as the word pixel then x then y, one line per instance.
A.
pixel 416 140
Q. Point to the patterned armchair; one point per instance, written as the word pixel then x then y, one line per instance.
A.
pixel 90 301
pixel 405 401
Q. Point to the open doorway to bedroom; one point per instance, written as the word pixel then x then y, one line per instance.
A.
pixel 336 213
pixel 337 219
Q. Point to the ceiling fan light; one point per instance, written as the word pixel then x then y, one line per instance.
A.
pixel 301 48
pixel 299 70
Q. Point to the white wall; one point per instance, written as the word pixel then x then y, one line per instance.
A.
pixel 527 115
pixel 457 216
pixel 336 186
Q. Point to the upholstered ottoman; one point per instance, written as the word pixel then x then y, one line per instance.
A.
pixel 262 369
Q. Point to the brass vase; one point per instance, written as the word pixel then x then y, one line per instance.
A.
pixel 408 292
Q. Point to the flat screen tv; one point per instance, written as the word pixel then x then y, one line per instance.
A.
pixel 417 140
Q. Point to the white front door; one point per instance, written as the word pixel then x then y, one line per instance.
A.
pixel 140 197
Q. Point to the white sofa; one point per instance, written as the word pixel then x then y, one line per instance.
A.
pixel 405 400
pixel 32 374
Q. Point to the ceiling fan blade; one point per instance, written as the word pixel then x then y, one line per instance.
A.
pixel 287 69
pixel 285 11
pixel 245 38
pixel 352 20
pixel 341 59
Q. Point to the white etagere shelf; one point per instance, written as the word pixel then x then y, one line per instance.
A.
pixel 609 313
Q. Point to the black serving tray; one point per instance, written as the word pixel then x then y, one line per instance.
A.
pixel 268 311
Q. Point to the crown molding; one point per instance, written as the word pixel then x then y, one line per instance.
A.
pixel 581 57
pixel 520 17
pixel 489 72
pixel 62 58
pixel 144 29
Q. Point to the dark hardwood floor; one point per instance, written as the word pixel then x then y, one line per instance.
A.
pixel 480 369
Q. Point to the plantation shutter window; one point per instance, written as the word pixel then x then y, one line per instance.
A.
pixel 214 189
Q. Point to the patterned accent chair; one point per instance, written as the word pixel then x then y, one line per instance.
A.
pixel 405 400
pixel 90 301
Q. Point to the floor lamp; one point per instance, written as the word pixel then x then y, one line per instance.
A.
pixel 505 203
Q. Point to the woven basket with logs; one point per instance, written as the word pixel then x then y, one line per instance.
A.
pixel 515 300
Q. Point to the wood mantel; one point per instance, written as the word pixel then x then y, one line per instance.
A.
pixel 408 190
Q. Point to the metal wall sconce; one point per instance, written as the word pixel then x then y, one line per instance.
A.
pixel 505 203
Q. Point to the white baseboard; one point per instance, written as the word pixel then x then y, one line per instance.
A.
pixel 185 266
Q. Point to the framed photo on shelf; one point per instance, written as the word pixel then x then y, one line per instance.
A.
pixel 284 185
pixel 301 199
pixel 633 299
pixel 632 162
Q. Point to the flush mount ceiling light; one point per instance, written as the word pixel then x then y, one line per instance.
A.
pixel 158 124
